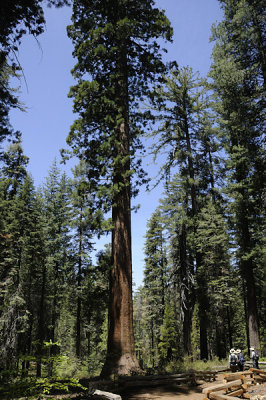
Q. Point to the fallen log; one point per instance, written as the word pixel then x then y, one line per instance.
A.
pixel 218 396
pixel 152 377
pixel 99 394
pixel 221 396
pixel 237 375
pixel 222 386
pixel 258 371
pixel 259 378
pixel 236 393
pixel 155 382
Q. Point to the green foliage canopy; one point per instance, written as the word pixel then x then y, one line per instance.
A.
pixel 118 57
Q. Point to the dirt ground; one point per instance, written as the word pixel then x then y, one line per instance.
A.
pixel 174 392
pixel 258 390
pixel 180 392
pixel 165 393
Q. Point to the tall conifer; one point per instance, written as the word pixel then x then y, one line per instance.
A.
pixel 115 44
pixel 182 110
pixel 238 73
pixel 86 221
pixel 57 242
pixel 155 280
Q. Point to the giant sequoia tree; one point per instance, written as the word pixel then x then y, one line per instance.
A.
pixel 118 56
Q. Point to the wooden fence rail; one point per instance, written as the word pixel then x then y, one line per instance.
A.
pixel 160 380
pixel 235 385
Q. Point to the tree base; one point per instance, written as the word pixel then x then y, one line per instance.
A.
pixel 124 365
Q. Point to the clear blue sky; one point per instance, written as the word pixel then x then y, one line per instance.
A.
pixel 47 66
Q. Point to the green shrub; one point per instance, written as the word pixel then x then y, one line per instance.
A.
pixel 179 366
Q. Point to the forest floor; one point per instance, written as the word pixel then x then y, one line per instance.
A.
pixel 172 392
pixel 163 392
pixel 181 392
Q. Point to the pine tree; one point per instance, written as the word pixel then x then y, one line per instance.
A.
pixel 185 133
pixel 13 173
pixel 86 222
pixel 8 100
pixel 238 73
pixel 181 256
pixel 14 168
pixel 57 243
pixel 41 288
pixel 115 43
pixel 213 243
pixel 95 300
pixel 142 328
pixel 155 278
pixel 169 335
pixel 31 242
pixel 19 258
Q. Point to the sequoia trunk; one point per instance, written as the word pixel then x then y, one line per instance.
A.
pixel 121 359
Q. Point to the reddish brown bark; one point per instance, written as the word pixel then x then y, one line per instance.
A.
pixel 121 359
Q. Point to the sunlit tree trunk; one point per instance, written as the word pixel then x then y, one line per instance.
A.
pixel 121 358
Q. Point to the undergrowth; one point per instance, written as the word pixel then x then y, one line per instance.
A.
pixel 68 371
pixel 30 388
pixel 198 365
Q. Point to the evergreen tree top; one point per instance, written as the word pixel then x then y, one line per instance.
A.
pixel 102 31
pixel 118 58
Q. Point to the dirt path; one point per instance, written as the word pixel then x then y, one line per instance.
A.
pixel 174 392
pixel 178 392
pixel 165 393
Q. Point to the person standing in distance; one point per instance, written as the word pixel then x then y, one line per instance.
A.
pixel 241 360
pixel 233 360
pixel 254 357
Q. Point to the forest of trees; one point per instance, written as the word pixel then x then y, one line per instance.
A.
pixel 204 288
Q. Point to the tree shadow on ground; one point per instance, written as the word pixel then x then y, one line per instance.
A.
pixel 167 391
